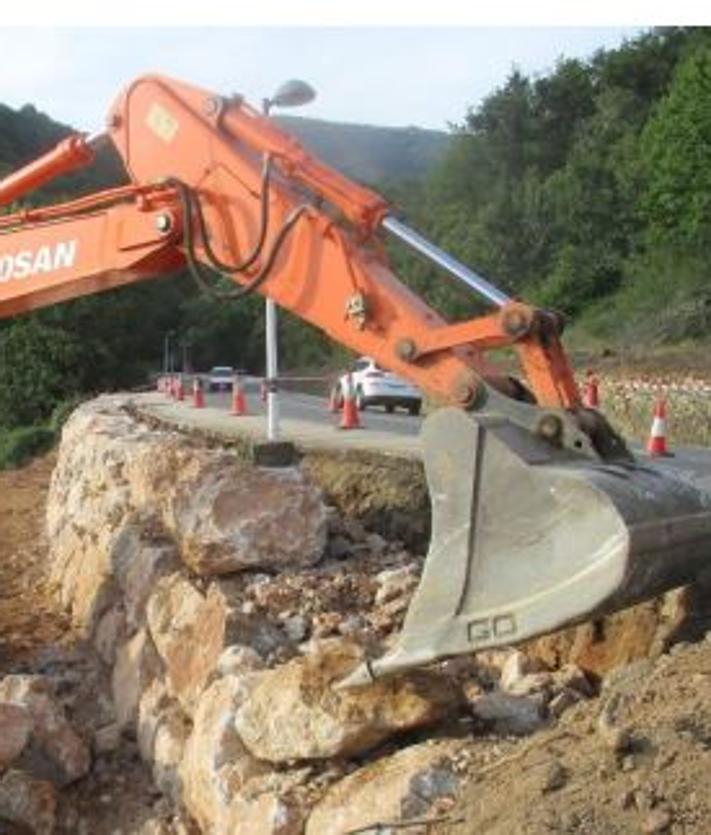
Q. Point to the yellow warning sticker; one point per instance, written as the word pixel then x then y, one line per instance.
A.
pixel 163 124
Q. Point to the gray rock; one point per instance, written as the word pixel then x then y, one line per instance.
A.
pixel 238 659
pixel 554 777
pixel 28 801
pixel 508 714
pixel 107 739
pixel 338 547
pixel 297 628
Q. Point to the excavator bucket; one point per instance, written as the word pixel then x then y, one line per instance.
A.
pixel 528 539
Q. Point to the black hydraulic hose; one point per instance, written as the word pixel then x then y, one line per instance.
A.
pixel 194 267
pixel 263 226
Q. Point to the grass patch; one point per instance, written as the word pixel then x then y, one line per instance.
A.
pixel 17 446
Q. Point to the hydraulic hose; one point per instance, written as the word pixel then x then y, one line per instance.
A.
pixel 191 207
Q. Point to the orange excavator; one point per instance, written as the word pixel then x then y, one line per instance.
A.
pixel 541 515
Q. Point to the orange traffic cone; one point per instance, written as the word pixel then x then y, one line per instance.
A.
pixel 350 419
pixel 198 394
pixel 657 443
pixel 171 388
pixel 239 401
pixel 179 389
pixel 591 393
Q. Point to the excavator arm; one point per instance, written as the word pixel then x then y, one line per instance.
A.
pixel 541 516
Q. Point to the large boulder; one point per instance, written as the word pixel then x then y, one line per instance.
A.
pixel 188 631
pixel 294 711
pixel 233 517
pixel 409 785
pixel 215 764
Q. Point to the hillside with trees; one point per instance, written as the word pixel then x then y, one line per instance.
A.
pixel 369 153
pixel 587 189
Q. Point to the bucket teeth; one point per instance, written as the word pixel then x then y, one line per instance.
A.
pixel 527 539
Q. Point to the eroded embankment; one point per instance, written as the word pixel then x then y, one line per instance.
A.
pixel 214 605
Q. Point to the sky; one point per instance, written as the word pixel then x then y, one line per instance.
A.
pixel 425 76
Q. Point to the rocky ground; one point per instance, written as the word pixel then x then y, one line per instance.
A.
pixel 174 672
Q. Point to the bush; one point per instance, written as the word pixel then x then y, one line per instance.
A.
pixel 19 445
pixel 39 367
pixel 665 299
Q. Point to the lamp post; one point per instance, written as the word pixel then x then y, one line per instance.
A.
pixel 291 94
pixel 168 357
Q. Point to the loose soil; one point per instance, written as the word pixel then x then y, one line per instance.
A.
pixel 28 614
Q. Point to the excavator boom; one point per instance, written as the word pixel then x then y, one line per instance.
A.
pixel 541 515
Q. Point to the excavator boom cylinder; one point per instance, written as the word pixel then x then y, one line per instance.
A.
pixel 443 259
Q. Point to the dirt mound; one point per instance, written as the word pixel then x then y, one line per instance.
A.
pixel 637 759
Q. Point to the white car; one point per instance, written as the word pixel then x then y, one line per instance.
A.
pixel 374 386
pixel 220 377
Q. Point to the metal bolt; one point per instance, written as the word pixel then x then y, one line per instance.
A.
pixel 464 393
pixel 211 106
pixel 163 223
pixel 406 349
pixel 515 322
pixel 550 427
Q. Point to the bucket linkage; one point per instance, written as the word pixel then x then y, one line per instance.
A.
pixel 529 537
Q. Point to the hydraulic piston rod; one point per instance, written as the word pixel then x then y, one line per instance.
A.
pixel 445 260
pixel 73 152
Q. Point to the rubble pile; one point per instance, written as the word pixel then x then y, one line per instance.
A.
pixel 223 604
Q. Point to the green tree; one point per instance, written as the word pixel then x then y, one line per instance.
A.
pixel 39 366
pixel 677 157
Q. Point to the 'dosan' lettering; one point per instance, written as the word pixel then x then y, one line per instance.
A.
pixel 45 259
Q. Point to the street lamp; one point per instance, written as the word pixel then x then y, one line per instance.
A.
pixel 291 93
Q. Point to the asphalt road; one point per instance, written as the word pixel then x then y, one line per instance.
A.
pixel 297 406
pixel 385 430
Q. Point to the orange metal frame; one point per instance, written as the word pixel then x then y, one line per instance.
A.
pixel 164 130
